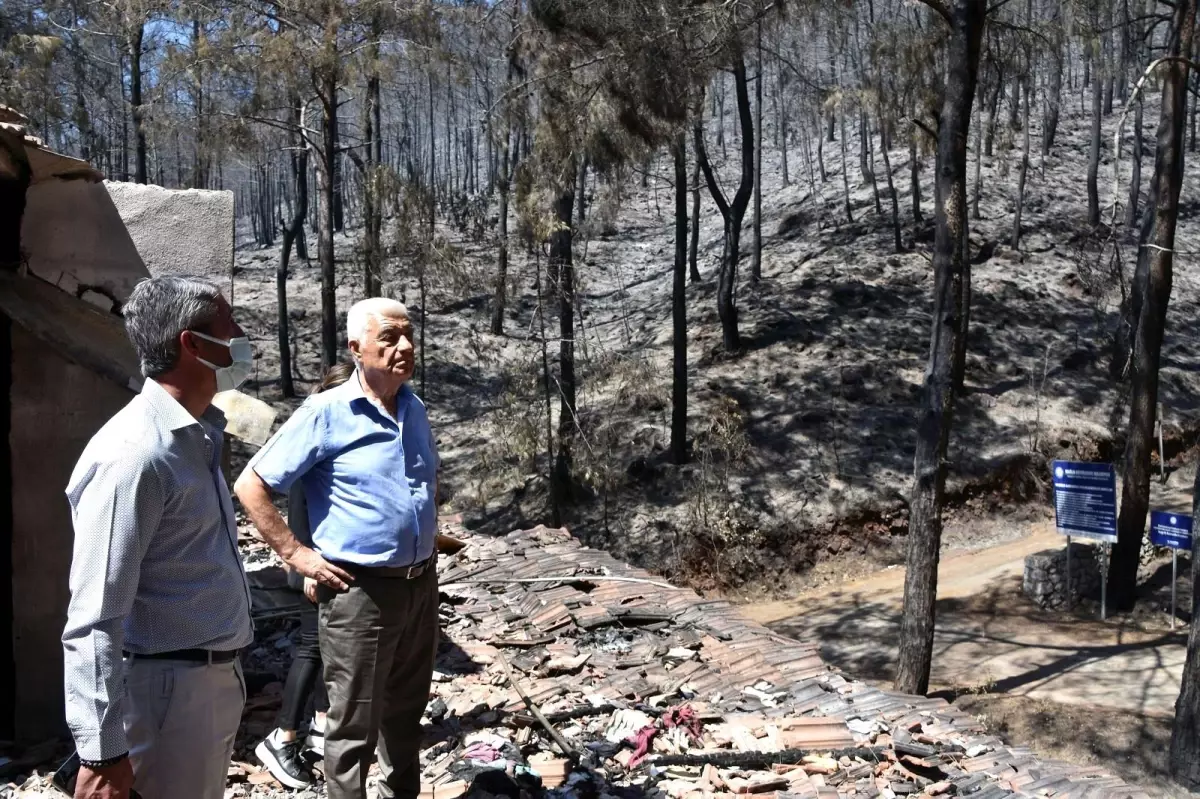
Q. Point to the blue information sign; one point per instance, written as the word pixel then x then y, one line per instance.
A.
pixel 1172 530
pixel 1085 499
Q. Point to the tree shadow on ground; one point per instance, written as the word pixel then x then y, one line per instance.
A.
pixel 997 642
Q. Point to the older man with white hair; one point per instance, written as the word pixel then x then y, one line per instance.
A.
pixel 365 455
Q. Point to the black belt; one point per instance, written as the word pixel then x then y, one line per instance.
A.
pixel 403 572
pixel 190 656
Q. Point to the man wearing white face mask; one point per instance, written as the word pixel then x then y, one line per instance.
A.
pixel 159 606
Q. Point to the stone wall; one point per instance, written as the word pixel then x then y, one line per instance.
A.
pixel 1046 576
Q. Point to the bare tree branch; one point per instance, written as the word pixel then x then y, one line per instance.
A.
pixel 941 8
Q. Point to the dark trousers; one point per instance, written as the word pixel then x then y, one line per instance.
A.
pixel 378 643
pixel 304 678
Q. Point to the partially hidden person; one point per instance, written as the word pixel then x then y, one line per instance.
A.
pixel 366 457
pixel 160 606
pixel 283 750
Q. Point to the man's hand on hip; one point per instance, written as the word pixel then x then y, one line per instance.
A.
pixel 105 782
pixel 309 563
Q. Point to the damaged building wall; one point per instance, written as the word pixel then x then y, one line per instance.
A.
pixel 50 427
pixel 72 236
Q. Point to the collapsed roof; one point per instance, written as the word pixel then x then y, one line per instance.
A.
pixel 656 691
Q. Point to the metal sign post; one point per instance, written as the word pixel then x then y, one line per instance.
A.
pixel 1104 582
pixel 1070 598
pixel 1174 577
pixel 1085 505
pixel 1158 431
pixel 1172 530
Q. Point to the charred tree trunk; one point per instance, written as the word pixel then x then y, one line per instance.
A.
pixel 821 152
pixel 562 273
pixel 719 96
pixel 1109 79
pixel 372 157
pixel 325 218
pixel 1125 33
pixel 137 109
pixel 679 308
pixel 1135 179
pixel 1020 202
pixel 505 186
pixel 915 174
pixel 781 122
pixel 431 189
pixel 989 133
pixel 731 212
pixel 124 159
pixel 555 511
pixel 978 190
pixel 694 244
pixel 1152 294
pixel 82 119
pixel 1053 100
pixel 887 170
pixel 1093 190
pixel 966 19
pixel 339 197
pixel 1014 106
pixel 291 233
pixel 845 171
pixel 581 191
pixel 756 249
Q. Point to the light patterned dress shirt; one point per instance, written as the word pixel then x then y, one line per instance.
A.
pixel 156 566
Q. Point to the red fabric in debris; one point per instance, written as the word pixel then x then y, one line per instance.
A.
pixel 683 716
pixel 641 741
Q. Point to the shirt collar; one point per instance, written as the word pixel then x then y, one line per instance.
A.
pixel 354 393
pixel 174 415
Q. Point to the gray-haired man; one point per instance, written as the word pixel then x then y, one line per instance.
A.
pixel 159 601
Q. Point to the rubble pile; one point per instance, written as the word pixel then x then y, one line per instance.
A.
pixel 566 674
pixel 657 692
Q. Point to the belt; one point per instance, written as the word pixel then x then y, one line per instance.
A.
pixel 403 572
pixel 190 655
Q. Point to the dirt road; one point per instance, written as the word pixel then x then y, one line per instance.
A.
pixel 989 638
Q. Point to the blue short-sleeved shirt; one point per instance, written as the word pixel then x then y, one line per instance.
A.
pixel 368 478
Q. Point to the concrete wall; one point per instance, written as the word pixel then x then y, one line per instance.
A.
pixel 56 407
pixel 74 238
pixel 188 232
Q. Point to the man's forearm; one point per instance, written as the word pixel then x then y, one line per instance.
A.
pixel 94 677
pixel 256 499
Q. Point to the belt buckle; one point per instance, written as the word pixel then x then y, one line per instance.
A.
pixel 408 575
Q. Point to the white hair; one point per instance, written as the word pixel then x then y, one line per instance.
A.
pixel 359 317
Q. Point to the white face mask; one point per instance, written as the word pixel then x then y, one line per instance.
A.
pixel 232 376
